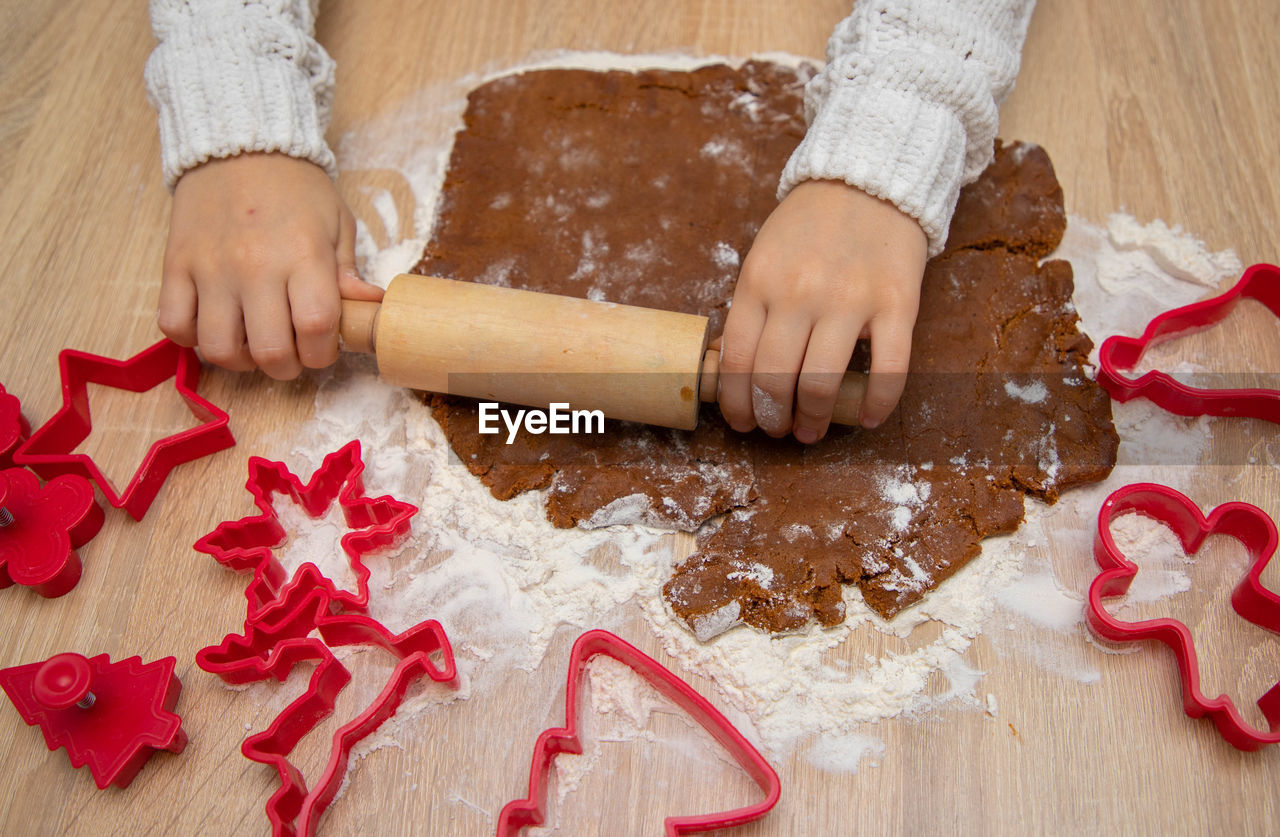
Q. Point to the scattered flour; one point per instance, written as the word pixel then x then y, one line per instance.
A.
pixel 768 411
pixel 759 573
pixel 843 753
pixel 1157 552
pixel 385 204
pixel 907 497
pixel 315 541
pixel 725 256
pixel 1033 393
pixel 1129 273
pixel 1040 598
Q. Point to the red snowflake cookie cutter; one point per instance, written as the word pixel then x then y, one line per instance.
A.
pixel 1119 354
pixel 42 527
pixel 48 451
pixel 276 641
pixel 14 428
pixel 246 545
pixel 110 716
pixel 1251 600
pixel 531 811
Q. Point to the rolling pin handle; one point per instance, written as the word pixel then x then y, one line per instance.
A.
pixel 709 380
pixel 358 328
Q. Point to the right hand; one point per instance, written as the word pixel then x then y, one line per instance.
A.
pixel 261 252
pixel 831 264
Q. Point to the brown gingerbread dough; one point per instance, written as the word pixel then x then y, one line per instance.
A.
pixel 647 188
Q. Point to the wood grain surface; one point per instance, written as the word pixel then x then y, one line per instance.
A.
pixel 1161 108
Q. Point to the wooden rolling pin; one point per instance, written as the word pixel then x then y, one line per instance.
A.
pixel 533 349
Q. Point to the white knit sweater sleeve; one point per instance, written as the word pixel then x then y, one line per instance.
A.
pixel 908 104
pixel 238 75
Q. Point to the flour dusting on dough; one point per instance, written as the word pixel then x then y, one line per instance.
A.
pixel 1033 393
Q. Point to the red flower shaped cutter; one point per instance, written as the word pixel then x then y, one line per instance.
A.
pixel 41 527
pixel 48 451
pixel 531 811
pixel 1119 354
pixel 276 641
pixel 14 428
pixel 246 545
pixel 1251 600
pixel 111 716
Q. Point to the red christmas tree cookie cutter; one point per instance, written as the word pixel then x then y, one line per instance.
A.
pixel 48 451
pixel 246 545
pixel 1260 282
pixel 531 811
pixel 1251 600
pixel 110 716
pixel 14 428
pixel 41 527
pixel 277 640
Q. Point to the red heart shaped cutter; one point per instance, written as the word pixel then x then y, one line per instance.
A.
pixel 1251 600
pixel 1120 354
pixel 531 810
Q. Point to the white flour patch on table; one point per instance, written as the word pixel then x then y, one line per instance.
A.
pixel 316 541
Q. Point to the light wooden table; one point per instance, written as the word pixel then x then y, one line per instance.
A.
pixel 1163 109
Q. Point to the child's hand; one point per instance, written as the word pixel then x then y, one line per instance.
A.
pixel 261 250
pixel 830 264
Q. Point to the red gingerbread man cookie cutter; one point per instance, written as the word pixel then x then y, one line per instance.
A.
pixel 1117 355
pixel 1250 599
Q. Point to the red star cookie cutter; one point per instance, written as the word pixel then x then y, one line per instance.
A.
pixel 276 641
pixel 1251 600
pixel 531 811
pixel 14 428
pixel 110 716
pixel 1119 354
pixel 246 545
pixel 41 527
pixel 48 451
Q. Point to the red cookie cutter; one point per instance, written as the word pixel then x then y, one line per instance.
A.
pixel 111 716
pixel 48 451
pixel 246 545
pixel 1118 354
pixel 14 428
pixel 531 811
pixel 1251 600
pixel 275 642
pixel 42 527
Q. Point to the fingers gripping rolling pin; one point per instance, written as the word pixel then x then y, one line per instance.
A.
pixel 534 349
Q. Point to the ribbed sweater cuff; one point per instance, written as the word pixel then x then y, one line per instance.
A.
pixel 890 144
pixel 217 96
